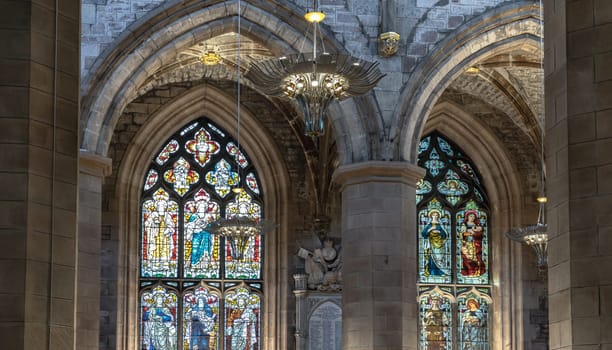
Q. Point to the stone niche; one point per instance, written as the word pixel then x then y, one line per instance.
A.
pixel 318 317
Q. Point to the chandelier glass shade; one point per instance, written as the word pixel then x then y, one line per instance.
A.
pixel 535 236
pixel 314 83
pixel 238 230
pixel 313 80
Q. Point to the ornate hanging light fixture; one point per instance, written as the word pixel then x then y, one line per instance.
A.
pixel 244 224
pixel 314 80
pixel 536 236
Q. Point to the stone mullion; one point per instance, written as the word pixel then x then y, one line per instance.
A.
pixel 379 255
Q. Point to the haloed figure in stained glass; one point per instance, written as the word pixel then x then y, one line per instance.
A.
pixel 242 323
pixel 160 231
pixel 471 235
pixel 435 250
pixel 201 213
pixel 473 327
pixel 436 322
pixel 160 327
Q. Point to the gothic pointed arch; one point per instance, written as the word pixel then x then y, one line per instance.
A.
pixel 152 42
pixel 134 175
pixel 497 31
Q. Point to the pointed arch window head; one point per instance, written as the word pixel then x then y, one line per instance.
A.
pixel 195 293
pixel 453 249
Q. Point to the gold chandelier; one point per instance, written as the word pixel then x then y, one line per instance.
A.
pixel 314 80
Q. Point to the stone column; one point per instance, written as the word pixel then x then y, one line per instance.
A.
pixel 379 308
pixel 301 323
pixel 39 88
pixel 578 43
pixel 92 170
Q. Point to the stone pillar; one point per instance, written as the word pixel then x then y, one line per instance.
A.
pixel 578 43
pixel 379 307
pixel 92 170
pixel 39 88
pixel 301 322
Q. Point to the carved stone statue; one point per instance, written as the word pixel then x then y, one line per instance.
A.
pixel 323 266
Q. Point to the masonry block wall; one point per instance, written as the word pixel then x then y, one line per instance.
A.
pixel 579 126
pixel 39 84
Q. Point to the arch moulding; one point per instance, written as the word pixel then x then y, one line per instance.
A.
pixel 501 181
pixel 497 31
pixel 154 41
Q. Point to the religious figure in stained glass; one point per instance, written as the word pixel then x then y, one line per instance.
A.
pixel 471 234
pixel 435 244
pixel 453 249
pixel 452 187
pixel 159 254
pixel 423 187
pixel 242 258
pixel 159 329
pixel 201 248
pixel 222 178
pixel 242 320
pixel 181 176
pixel 200 327
pixel 184 268
pixel 472 309
pixel 202 147
pixel 436 321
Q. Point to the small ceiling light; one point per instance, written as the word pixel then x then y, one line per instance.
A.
pixel 472 70
pixel 210 58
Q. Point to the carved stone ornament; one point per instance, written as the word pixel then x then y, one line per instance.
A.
pixel 388 43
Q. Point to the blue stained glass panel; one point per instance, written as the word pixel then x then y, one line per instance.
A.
pixel 434 164
pixel 424 144
pixel 435 252
pixel 423 187
pixel 242 320
pixel 200 320
pixel 473 321
pixel 445 147
pixel 452 187
pixel 158 321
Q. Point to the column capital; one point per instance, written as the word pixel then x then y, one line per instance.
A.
pixel 378 171
pixel 94 164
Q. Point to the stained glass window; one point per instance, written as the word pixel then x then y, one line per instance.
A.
pixel 453 249
pixel 195 291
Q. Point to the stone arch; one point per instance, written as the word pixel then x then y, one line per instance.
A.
pixel 502 182
pixel 274 183
pixel 494 32
pixel 153 41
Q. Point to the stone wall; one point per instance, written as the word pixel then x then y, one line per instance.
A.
pixel 421 23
